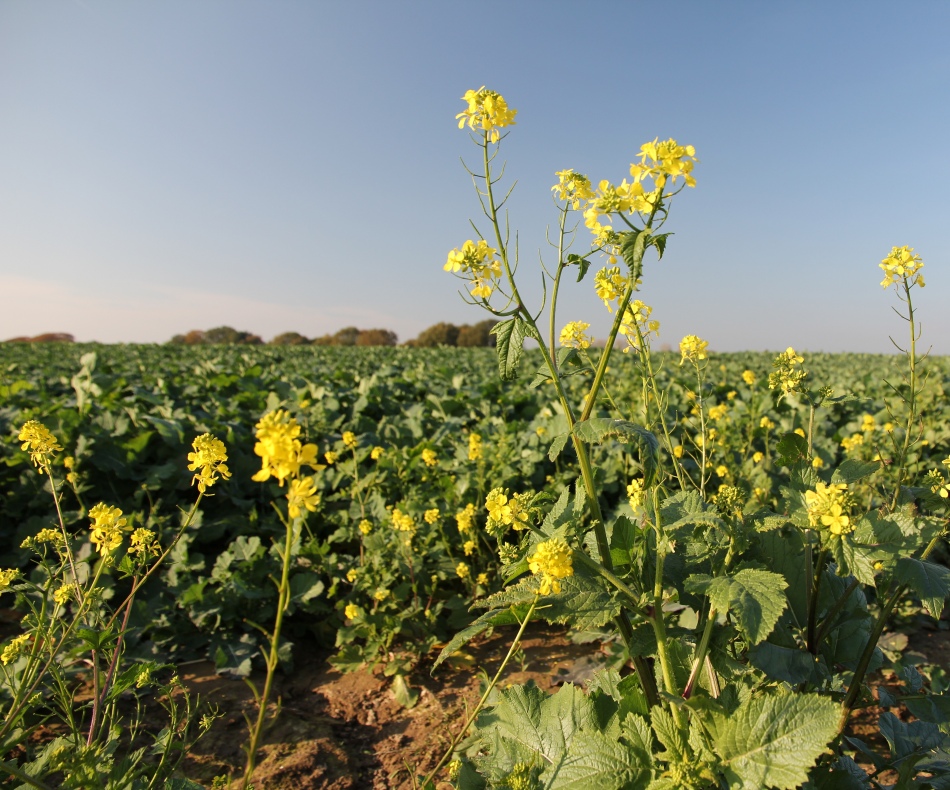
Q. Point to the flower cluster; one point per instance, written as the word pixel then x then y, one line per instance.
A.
pixel 7 577
pixel 609 285
pixel 108 524
pixel 902 265
pixel 572 335
pixel 465 519
pixel 40 442
pixel 403 522
pixel 349 440
pixel 662 160
pixel 572 188
pixel 505 511
pixel 552 560
pixel 13 649
pixel 429 458
pixel 692 349
pixel 786 377
pixel 477 261
pixel 636 493
pixel 622 198
pixel 935 481
pixel 748 377
pixel 474 447
pixel 302 495
pixel 142 541
pixel 208 460
pixel 488 111
pixel 828 507
pixel 636 315
pixel 282 453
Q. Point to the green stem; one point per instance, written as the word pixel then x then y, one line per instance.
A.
pixel 815 587
pixel 658 621
pixel 911 399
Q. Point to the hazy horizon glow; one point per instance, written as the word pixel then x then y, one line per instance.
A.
pixel 295 166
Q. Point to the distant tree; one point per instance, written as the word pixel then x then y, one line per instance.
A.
pixel 289 339
pixel 323 340
pixel 195 337
pixel 477 335
pixel 376 337
pixel 177 340
pixel 441 334
pixel 46 337
pixel 230 335
pixel 346 336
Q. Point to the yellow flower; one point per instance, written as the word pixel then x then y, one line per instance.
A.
pixel 572 188
pixel 107 527
pixel 748 377
pixel 482 579
pixel 505 512
pixel 301 495
pixel 474 447
pixel 850 442
pixel 662 160
pixel 902 265
pixel 331 457
pixel 381 594
pixel 868 423
pixel 468 547
pixel 817 463
pixel 678 451
pixel 722 471
pixel 552 560
pixel 637 315
pixel 63 593
pixel 889 428
pixel 786 377
pixel 827 507
pixel 403 521
pixel 718 412
pixel 462 570
pixel 429 457
pixel 13 648
pixel 692 349
pixel 572 335
pixel 609 285
pixel 7 577
pixel 465 518
pixel 488 111
pixel 40 442
pixel 365 526
pixel 757 458
pixel 282 453
pixel 376 453
pixel 209 457
pixel 431 516
pixel 352 611
pixel 476 261
pixel 349 439
pixel 142 541
pixel 636 493
pixel 800 432
pixel 766 423
pixel 351 575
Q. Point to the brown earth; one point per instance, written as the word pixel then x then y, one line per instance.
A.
pixel 347 731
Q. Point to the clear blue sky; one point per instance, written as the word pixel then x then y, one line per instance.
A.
pixel 275 166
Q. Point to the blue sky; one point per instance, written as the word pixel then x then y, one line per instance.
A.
pixel 295 166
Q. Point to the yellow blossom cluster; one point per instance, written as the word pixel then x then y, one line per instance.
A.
pixel 352 611
pixel 572 188
pixel 465 519
pixel 349 440
pixel 108 524
pixel 868 423
pixel 552 561
pixel 208 460
pixel 142 541
pixel 40 442
pixel 376 453
pixel 572 335
pixel 476 261
pixel 281 451
pixel 505 511
pixel 609 285
pixel 468 547
pixel 45 535
pixel 902 265
pixel 431 515
pixel 692 349
pixel 786 377
pixel 474 447
pixel 662 160
pixel 748 377
pixel 429 458
pixel 462 570
pixel 487 110
pixel 766 423
pixel 7 577
pixel 828 507
pixel 302 495
pixel 13 648
pixel 636 315
pixel 365 526
pixel 403 522
pixel 636 493
pixel 718 412
pixel 64 593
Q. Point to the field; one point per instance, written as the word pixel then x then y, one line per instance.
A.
pixel 387 566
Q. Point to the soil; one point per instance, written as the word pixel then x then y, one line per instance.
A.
pixel 347 731
pixel 340 731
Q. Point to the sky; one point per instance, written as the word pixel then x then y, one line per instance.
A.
pixel 296 166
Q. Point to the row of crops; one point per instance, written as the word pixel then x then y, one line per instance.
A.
pixel 412 440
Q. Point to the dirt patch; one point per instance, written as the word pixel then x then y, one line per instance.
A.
pixel 347 731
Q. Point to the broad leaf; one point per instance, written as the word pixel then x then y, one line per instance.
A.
pixel 930 582
pixel 509 345
pixel 853 470
pixel 773 741
pixel 754 598
pixel 596 430
pixel 483 623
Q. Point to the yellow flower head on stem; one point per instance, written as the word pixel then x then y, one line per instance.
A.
pixel 488 111
pixel 552 561
pixel 208 460
pixel 572 188
pixel 476 261
pixel 474 447
pixel 572 335
pixel 282 453
pixel 902 265
pixel 302 495
pixel 108 524
pixel 40 442
pixel 692 349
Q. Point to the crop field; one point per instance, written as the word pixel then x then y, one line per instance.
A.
pixel 719 566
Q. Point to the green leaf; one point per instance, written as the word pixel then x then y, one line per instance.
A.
pixel 584 602
pixel 595 762
pixel 557 445
pixel 853 470
pixel 582 265
pixel 659 241
pixel 754 598
pixel 483 623
pixel 405 694
pixel 622 538
pixel 792 448
pixel 930 582
pixel 852 559
pixel 596 430
pixel 773 741
pixel 632 245
pixel 509 345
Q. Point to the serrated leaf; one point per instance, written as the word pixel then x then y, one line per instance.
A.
pixel 754 598
pixel 792 448
pixel 852 559
pixel 595 430
pixel 558 514
pixel 632 245
pixel 557 445
pixel 853 470
pixel 509 345
pixel 687 508
pixel 584 602
pixel 582 265
pixel 595 762
pixel 622 538
pixel 774 741
pixel 488 620
pixel 669 734
pixel 906 739
pixel 930 582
